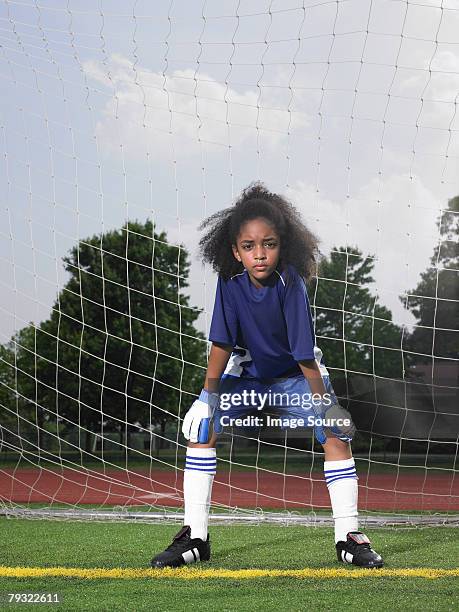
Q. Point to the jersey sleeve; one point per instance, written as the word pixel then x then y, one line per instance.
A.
pixel 298 318
pixel 224 325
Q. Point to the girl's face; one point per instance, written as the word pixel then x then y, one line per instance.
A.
pixel 258 249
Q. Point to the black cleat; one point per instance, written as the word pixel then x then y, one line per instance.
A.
pixel 183 550
pixel 357 550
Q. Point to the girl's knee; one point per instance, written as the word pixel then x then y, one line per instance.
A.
pixel 335 449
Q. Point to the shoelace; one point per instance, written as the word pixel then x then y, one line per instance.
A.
pixel 355 546
pixel 175 545
pixel 177 542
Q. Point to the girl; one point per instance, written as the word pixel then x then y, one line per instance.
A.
pixel 263 342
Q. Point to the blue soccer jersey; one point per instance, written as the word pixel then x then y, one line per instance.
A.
pixel 270 327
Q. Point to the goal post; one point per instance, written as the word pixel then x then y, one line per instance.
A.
pixel 122 127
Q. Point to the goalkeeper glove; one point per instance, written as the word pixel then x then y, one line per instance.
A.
pixel 195 425
pixel 334 419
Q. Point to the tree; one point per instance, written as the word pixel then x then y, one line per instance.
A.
pixel 434 301
pixel 355 333
pixel 120 345
pixel 17 414
pixel 360 342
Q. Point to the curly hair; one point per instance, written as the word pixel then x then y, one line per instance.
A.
pixel 298 246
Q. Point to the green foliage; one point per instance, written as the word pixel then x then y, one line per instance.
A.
pixel 433 302
pixel 355 333
pixel 120 345
pixel 18 414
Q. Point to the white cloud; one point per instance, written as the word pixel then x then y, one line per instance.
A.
pixel 394 220
pixel 146 107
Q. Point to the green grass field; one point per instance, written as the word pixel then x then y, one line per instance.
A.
pixel 46 544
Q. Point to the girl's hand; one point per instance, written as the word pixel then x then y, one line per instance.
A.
pixel 195 425
pixel 333 420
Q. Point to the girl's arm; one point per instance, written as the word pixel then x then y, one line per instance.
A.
pixel 312 374
pixel 218 358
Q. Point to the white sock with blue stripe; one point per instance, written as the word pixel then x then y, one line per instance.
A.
pixel 200 468
pixel 341 479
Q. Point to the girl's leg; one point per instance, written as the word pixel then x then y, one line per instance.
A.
pixel 341 479
pixel 191 543
pixel 200 468
pixel 352 546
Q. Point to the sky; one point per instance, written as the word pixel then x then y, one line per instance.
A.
pixel 167 110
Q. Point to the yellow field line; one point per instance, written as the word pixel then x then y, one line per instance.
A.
pixel 186 573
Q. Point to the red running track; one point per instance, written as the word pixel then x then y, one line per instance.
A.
pixel 434 492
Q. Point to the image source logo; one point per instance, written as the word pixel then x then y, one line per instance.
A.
pixel 236 410
pixel 254 400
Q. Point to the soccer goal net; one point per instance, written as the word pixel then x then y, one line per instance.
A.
pixel 123 126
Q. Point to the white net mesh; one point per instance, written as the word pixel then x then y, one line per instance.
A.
pixel 123 126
